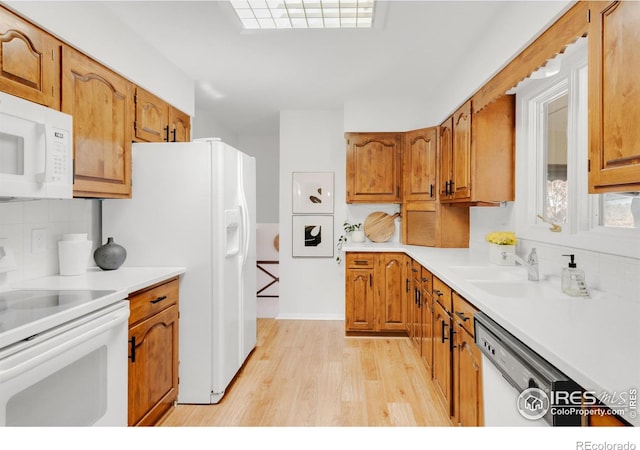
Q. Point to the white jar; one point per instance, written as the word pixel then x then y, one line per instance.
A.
pixel 357 236
pixel 74 251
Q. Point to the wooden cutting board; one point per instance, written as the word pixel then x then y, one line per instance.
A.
pixel 380 226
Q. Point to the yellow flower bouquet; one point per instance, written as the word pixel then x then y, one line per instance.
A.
pixel 502 238
pixel 501 244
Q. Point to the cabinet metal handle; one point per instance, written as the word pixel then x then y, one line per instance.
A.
pixel 414 270
pixel 370 280
pixel 158 300
pixel 451 333
pixel 446 188
pixel 461 316
pixel 406 285
pixel 361 262
pixel 444 338
pixel 431 190
pixel 451 187
pixel 166 133
pixel 425 280
pixel 132 356
pixel 173 132
pixel 437 292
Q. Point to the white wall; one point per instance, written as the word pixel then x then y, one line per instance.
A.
pixel 266 150
pixel 310 141
pixel 204 125
pixel 114 45
pixel 56 217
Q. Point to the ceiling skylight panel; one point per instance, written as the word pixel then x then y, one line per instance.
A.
pixel 268 14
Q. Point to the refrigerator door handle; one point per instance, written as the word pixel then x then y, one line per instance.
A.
pixel 244 213
pixel 232 219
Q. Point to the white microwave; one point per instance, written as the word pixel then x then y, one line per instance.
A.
pixel 36 151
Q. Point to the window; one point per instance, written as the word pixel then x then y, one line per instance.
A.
pixel 553 204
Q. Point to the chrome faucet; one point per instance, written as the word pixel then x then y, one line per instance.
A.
pixel 531 264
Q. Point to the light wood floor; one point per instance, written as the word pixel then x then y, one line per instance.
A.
pixel 307 373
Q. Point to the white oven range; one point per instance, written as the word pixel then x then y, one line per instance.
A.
pixel 63 358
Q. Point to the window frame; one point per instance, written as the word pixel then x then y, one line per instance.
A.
pixel 583 230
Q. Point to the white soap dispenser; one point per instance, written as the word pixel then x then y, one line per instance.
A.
pixel 573 280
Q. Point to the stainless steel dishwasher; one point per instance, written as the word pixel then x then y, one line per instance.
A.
pixel 520 388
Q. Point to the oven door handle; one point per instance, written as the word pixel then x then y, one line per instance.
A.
pixel 33 356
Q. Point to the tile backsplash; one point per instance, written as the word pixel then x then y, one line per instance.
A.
pixel 55 217
pixel 614 274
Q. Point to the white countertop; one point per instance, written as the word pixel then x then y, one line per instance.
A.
pixel 127 279
pixel 593 340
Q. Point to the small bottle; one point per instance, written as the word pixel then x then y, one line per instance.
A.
pixel 573 280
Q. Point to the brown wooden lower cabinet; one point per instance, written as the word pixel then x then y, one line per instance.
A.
pixel 442 331
pixel 468 403
pixel 376 293
pixel 600 416
pixel 153 352
pixel 442 355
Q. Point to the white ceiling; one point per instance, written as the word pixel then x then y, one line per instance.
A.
pixel 246 77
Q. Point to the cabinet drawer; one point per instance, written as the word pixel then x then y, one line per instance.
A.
pixel 464 312
pixel 360 260
pixel 150 301
pixel 416 270
pixel 426 278
pixel 442 293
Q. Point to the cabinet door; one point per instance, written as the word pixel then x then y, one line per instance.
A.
pixel 179 125
pixel 152 117
pixel 100 102
pixel 468 385
pixel 409 297
pixel 426 309
pixel 460 185
pixel 419 155
pixel 153 367
pixel 442 354
pixel 416 318
pixel 359 301
pixel 374 167
pixel 390 283
pixel 614 97
pixel 29 61
pixel 446 154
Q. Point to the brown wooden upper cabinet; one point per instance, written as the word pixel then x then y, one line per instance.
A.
pixel 374 164
pixel 29 61
pixel 419 165
pixel 100 102
pixel 614 96
pixel 455 168
pixel 477 161
pixel 158 121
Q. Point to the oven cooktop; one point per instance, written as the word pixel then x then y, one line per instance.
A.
pixel 24 313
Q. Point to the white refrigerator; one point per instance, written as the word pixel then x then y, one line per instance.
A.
pixel 193 205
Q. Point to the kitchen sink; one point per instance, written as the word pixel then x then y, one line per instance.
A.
pixel 518 289
pixel 490 273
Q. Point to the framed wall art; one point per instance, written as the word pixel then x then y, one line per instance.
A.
pixel 312 236
pixel 312 193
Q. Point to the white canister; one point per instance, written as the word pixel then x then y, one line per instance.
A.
pixel 74 251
